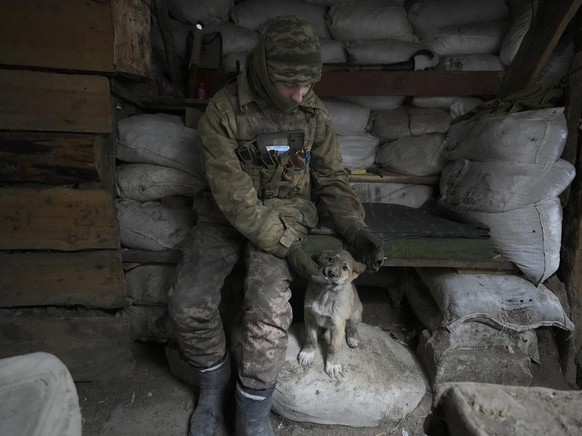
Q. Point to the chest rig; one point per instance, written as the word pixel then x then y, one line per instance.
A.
pixel 274 148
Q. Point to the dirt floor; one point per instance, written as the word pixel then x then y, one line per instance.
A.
pixel 154 402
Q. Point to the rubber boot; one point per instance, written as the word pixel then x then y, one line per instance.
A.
pixel 253 409
pixel 208 417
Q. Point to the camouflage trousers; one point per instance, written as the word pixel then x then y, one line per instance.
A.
pixel 210 252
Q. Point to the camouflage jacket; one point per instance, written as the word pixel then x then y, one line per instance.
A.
pixel 232 120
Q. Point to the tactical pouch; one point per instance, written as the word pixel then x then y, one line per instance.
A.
pixel 247 155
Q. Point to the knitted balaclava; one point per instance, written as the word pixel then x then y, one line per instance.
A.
pixel 288 51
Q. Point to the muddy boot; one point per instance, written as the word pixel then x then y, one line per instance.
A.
pixel 208 417
pixel 253 409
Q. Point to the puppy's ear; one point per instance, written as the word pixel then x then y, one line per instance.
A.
pixel 359 268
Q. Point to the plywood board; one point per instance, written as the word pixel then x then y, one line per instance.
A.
pixel 57 219
pixel 90 278
pixel 51 158
pixel 34 100
pixel 92 347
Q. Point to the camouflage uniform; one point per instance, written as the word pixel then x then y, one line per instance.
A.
pixel 256 212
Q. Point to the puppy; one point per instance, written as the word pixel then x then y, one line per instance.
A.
pixel 334 306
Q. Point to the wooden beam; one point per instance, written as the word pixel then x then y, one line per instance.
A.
pixel 132 44
pixel 538 44
pixel 90 278
pixel 424 83
pixel 57 219
pixel 92 346
pixel 34 100
pixel 51 158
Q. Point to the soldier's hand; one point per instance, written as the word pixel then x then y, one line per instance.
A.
pixel 368 249
pixel 304 265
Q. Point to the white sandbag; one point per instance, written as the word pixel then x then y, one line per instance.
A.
pixel 536 136
pixel 474 38
pixel 369 19
pixel 235 62
pixel 235 39
pixel 347 118
pixel 521 13
pixel 253 14
pixel 394 193
pixel 203 11
pixel 469 334
pixel 332 51
pixel 383 379
pixel 499 186
pixel 376 102
pixel 528 237
pixel 426 16
pixel 149 284
pixel 358 151
pixel 160 139
pixel 384 51
pixel 152 226
pixel 145 182
pixel 38 396
pixel 395 123
pixel 470 62
pixel 506 301
pixel 457 106
pixel 414 155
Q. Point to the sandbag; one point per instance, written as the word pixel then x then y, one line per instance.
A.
pixel 394 193
pixel 382 377
pixel 414 155
pixel 522 13
pixel 500 186
pixel 149 284
pixel 530 237
pixel 369 19
pixel 384 51
pixel 470 62
pixel 536 136
pixel 145 182
pixel 376 102
pixel 426 16
pixel 457 106
pixel 358 151
pixel 332 51
pixel 38 396
pixel 160 139
pixel 203 11
pixel 253 14
pixel 403 121
pixel 504 301
pixel 235 39
pixel 473 38
pixel 347 118
pixel 152 226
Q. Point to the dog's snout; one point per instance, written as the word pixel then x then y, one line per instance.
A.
pixel 329 272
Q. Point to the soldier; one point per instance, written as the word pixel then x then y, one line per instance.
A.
pixel 272 163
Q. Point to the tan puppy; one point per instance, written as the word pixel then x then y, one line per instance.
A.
pixel 334 306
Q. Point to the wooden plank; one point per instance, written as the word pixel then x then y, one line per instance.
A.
pixel 61 34
pixel 385 176
pixel 425 83
pixel 538 44
pixel 90 278
pixel 132 45
pixel 472 264
pixel 92 347
pixel 52 158
pixel 57 219
pixel 34 100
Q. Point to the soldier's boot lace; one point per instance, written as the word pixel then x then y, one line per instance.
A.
pixel 214 387
pixel 253 409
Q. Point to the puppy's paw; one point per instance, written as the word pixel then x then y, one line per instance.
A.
pixel 333 369
pixel 306 357
pixel 352 341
